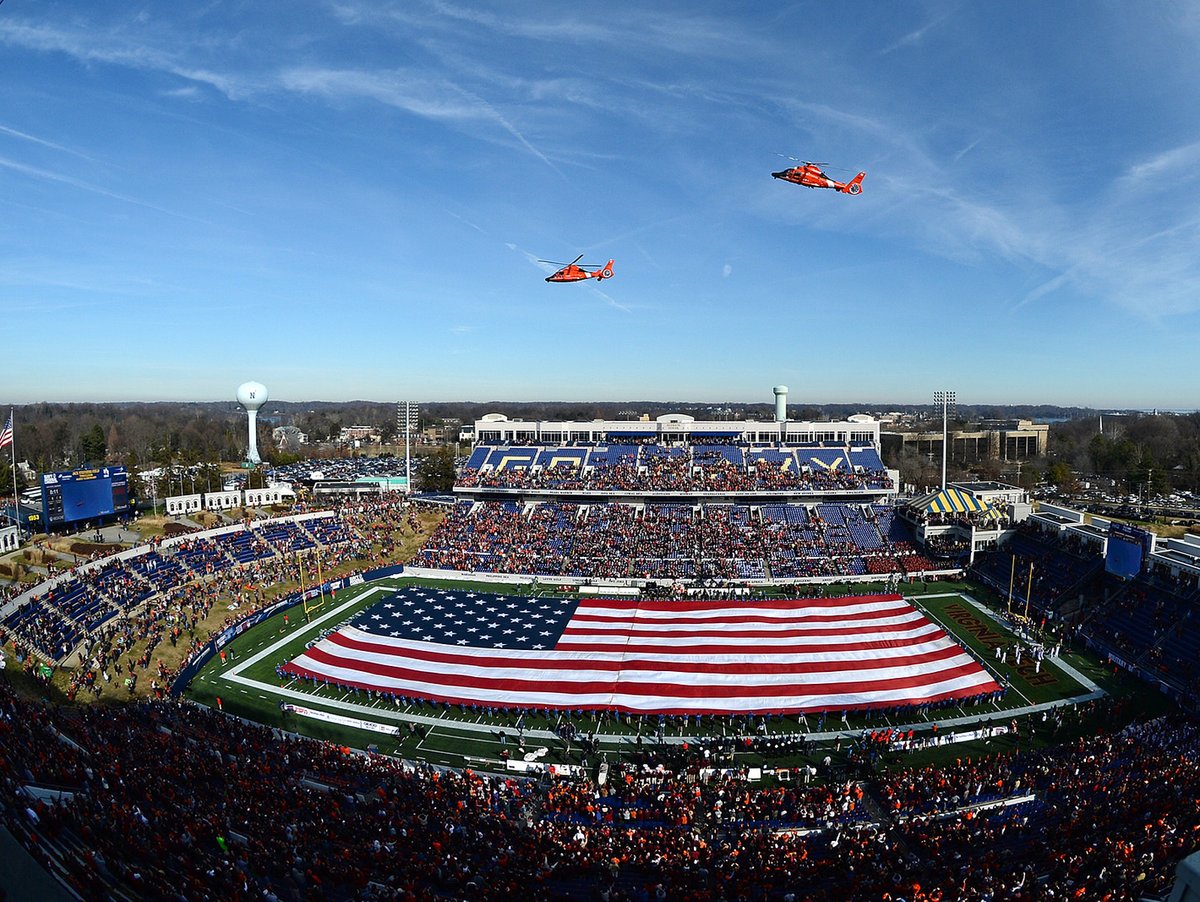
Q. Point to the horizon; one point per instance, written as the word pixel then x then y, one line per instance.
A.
pixel 355 197
pixel 881 406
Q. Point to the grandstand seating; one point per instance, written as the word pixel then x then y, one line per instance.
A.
pixel 244 546
pixel 567 457
pixel 865 458
pixel 55 622
pixel 651 467
pixel 1057 569
pixel 202 556
pixel 668 541
pixel 158 570
pixel 822 458
pixel 327 530
pixel 286 537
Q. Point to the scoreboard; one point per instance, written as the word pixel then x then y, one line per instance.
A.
pixel 1128 548
pixel 84 495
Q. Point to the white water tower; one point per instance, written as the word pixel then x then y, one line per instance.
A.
pixel 780 403
pixel 252 395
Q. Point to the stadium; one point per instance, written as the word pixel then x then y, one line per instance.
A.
pixel 647 659
pixel 528 578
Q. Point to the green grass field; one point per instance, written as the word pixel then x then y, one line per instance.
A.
pixel 248 686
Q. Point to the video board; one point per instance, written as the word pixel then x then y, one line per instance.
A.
pixel 1128 548
pixel 78 495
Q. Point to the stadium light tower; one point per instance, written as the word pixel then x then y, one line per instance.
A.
pixel 252 396
pixel 407 417
pixel 947 400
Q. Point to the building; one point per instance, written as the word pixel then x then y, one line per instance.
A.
pixel 497 429
pixel 437 434
pixel 358 433
pixel 989 440
pixel 288 438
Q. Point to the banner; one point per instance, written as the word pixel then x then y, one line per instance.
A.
pixel 341 720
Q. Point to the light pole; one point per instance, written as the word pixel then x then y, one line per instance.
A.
pixel 947 400
pixel 406 413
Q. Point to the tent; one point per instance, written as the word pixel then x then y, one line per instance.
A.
pixel 954 501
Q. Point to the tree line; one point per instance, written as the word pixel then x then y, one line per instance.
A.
pixel 1149 453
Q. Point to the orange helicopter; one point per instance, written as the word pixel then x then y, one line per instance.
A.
pixel 810 175
pixel 573 272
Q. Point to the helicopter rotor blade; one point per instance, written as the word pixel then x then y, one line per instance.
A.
pixel 556 263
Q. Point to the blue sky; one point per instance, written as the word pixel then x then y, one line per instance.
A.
pixel 347 199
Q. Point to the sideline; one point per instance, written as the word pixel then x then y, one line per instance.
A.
pixel 234 673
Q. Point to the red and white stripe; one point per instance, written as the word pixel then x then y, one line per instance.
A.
pixel 679 657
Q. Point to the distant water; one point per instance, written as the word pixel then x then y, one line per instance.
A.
pixel 1118 412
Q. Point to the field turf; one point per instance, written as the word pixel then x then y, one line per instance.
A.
pixel 248 686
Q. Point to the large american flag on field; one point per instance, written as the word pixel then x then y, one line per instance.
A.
pixel 671 657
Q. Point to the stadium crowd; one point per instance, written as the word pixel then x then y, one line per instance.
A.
pixel 112 605
pixel 649 467
pixel 668 541
pixel 166 800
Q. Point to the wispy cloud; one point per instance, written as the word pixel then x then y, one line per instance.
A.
pixel 126 50
pixel 637 29
pixel 966 150
pixel 1169 163
pixel 70 181
pixel 532 258
pixel 612 302
pixel 34 139
pixel 187 92
pixel 916 36
pixel 637 230
pixel 1131 243
pixel 413 92
pixel 511 129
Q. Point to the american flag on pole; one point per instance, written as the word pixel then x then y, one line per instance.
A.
pixel 6 437
pixel 670 657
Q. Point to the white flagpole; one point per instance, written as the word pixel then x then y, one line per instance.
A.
pixel 12 445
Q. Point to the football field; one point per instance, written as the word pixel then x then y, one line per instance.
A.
pixel 247 684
